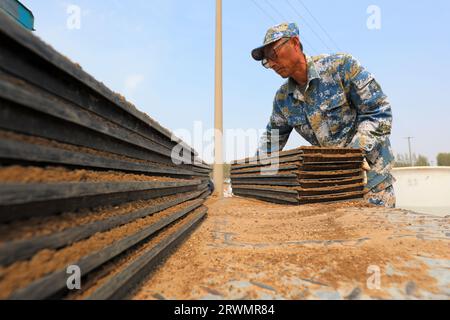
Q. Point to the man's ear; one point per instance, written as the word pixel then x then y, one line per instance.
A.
pixel 298 44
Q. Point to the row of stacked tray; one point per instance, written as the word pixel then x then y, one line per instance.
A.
pixel 88 183
pixel 299 176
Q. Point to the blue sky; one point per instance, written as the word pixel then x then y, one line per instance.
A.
pixel 160 55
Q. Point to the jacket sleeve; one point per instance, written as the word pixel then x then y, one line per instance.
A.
pixel 374 114
pixel 277 133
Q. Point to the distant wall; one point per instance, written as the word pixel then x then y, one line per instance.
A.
pixel 425 189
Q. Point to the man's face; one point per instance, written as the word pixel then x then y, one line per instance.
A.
pixel 283 56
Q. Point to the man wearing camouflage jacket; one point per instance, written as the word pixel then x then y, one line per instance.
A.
pixel 330 100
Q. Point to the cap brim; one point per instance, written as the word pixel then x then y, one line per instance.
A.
pixel 258 53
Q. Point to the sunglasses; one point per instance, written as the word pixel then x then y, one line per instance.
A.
pixel 272 54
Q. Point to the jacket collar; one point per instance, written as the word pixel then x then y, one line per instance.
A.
pixel 312 74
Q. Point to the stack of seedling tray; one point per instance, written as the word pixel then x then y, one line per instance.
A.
pixel 87 182
pixel 300 176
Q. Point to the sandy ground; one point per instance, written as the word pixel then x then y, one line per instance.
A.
pixel 248 249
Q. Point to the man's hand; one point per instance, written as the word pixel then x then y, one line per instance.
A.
pixel 366 168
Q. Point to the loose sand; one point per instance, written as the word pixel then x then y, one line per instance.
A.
pixel 248 249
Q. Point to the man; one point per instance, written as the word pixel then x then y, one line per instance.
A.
pixel 330 100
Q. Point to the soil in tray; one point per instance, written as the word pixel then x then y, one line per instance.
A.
pixel 300 154
pixel 293 188
pixel 329 173
pixel 332 155
pixel 73 148
pixel 249 187
pixel 43 226
pixel 284 167
pixel 341 196
pixel 23 273
pixel 332 188
pixel 279 175
pixel 21 174
pixel 99 277
pixel 329 150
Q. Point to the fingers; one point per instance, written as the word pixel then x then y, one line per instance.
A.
pixel 365 177
pixel 366 166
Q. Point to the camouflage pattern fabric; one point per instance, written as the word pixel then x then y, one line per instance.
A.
pixel 383 198
pixel 342 106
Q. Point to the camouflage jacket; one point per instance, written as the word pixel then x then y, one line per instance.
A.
pixel 343 106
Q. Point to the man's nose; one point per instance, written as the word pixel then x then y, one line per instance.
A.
pixel 270 63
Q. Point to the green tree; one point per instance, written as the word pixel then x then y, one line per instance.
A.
pixel 401 164
pixel 443 159
pixel 422 161
pixel 402 160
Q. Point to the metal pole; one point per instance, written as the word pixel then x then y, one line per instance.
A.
pixel 218 107
pixel 410 152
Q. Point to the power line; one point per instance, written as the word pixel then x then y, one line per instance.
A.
pixel 284 18
pixel 309 45
pixel 276 10
pixel 320 25
pixel 275 22
pixel 264 11
pixel 307 24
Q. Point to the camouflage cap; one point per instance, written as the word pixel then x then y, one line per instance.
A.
pixel 284 30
